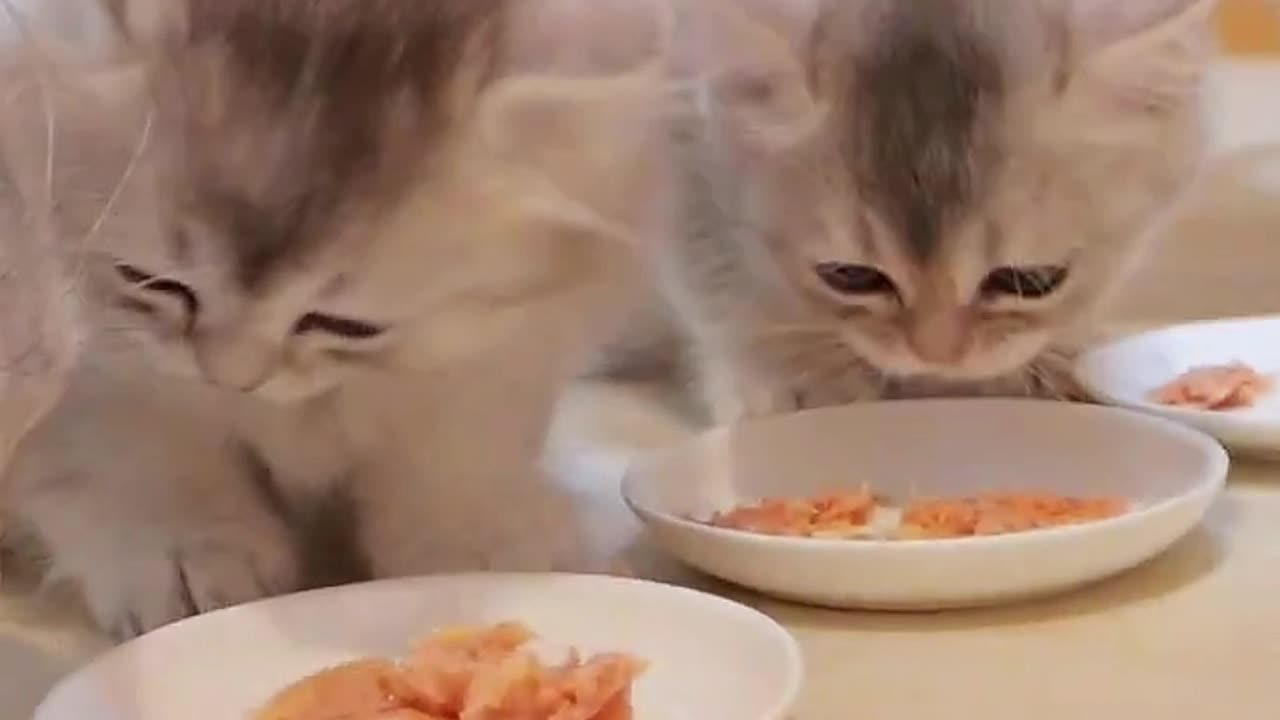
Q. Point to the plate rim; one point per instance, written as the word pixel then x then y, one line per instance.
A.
pixel 1213 423
pixel 1213 483
pixel 793 660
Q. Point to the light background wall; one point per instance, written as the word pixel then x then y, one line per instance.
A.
pixel 1223 258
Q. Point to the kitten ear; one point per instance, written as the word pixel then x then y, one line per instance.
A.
pixel 145 24
pixel 578 116
pixel 751 56
pixel 1148 54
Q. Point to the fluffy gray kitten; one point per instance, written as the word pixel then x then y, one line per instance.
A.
pixel 341 249
pixel 891 199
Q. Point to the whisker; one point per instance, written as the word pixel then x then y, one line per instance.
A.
pixel 134 160
pixel 19 22
pixel 1047 382
pixel 794 330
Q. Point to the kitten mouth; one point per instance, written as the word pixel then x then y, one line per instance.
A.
pixel 959 373
pixel 946 375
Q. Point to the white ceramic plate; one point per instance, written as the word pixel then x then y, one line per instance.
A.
pixel 1125 372
pixel 710 659
pixel 931 448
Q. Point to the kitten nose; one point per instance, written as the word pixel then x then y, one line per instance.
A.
pixel 234 362
pixel 940 338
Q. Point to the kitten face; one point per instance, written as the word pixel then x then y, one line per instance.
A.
pixel 954 185
pixel 322 186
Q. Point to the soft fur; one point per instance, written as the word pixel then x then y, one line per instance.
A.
pixel 40 328
pixel 918 147
pixel 350 250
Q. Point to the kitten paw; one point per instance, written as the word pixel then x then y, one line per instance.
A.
pixel 556 544
pixel 155 587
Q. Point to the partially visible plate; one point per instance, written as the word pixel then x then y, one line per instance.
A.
pixel 1126 371
pixel 931 448
pixel 709 658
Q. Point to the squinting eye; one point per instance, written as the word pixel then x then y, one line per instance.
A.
pixel 849 279
pixel 1030 283
pixel 147 282
pixel 339 326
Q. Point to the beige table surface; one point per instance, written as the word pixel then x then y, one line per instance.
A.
pixel 1195 634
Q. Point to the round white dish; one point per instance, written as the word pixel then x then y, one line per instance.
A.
pixel 931 448
pixel 708 657
pixel 1126 371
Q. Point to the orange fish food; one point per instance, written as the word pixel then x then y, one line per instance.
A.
pixel 465 674
pixel 831 515
pixel 1215 387
pixel 860 515
pixel 1003 513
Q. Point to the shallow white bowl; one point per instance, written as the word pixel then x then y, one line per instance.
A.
pixel 929 448
pixel 710 659
pixel 1126 371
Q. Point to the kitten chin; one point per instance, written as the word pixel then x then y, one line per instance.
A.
pixel 411 219
pixel 888 199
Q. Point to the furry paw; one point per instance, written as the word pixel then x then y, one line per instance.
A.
pixel 157 586
pixel 730 402
pixel 556 541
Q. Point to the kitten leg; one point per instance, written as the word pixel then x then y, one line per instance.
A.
pixel 734 391
pixel 141 499
pixel 463 514
pixel 455 481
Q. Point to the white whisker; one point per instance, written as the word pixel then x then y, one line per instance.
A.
pixel 116 192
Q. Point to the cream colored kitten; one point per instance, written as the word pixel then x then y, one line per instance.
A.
pixel 356 247
pixel 40 330
pixel 891 199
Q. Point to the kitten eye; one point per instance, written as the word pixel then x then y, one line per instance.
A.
pixel 340 326
pixel 849 279
pixel 1029 283
pixel 147 282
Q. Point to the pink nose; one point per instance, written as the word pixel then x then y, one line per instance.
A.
pixel 941 338
pixel 234 361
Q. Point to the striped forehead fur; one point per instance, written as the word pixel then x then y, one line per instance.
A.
pixel 919 101
pixel 339 87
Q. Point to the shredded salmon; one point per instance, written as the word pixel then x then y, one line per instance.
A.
pixel 1215 387
pixel 829 514
pixel 858 515
pixel 1003 513
pixel 465 674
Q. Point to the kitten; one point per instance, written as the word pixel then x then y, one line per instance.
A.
pixel 353 247
pixel 40 330
pixel 891 199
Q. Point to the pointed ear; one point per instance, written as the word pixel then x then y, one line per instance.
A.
pixel 578 116
pixel 146 24
pixel 751 56
pixel 1150 55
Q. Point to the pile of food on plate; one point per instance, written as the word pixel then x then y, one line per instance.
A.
pixel 859 515
pixel 465 674
pixel 1214 387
